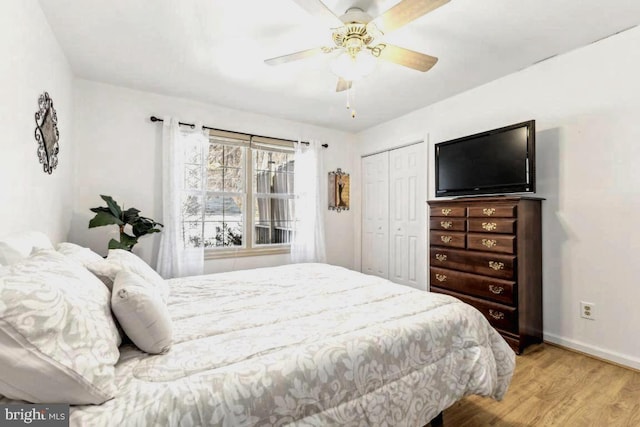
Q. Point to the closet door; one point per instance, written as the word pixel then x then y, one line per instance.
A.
pixel 375 215
pixel 407 207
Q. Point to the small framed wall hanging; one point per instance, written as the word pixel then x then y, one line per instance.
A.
pixel 338 190
pixel 46 133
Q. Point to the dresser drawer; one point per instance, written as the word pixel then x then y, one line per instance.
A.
pixel 453 239
pixel 513 341
pixel 481 286
pixel 499 316
pixel 450 211
pixel 487 264
pixel 492 242
pixel 504 226
pixel 448 224
pixel 492 210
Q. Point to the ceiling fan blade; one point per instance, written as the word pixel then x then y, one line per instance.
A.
pixel 343 85
pixel 408 58
pixel 321 11
pixel 405 12
pixel 304 54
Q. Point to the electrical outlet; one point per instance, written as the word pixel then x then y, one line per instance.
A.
pixel 587 310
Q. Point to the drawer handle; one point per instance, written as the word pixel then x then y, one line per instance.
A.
pixel 488 211
pixel 496 289
pixel 446 212
pixel 489 226
pixel 446 239
pixel 446 224
pixel 441 257
pixel 489 242
pixel 496 265
pixel 441 277
pixel 498 315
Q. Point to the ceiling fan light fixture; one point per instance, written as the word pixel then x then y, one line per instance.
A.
pixel 357 38
pixel 353 68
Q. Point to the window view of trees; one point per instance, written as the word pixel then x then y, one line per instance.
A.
pixel 214 207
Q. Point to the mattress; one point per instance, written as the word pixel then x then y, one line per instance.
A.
pixel 306 344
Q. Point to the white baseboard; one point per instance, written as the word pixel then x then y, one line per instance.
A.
pixel 618 358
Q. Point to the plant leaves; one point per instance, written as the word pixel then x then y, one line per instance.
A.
pixel 113 206
pixel 144 226
pixel 128 240
pixel 104 218
pixel 130 215
pixel 150 220
pixel 114 244
pixel 114 214
pixel 100 209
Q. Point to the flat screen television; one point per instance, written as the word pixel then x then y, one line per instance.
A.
pixel 493 162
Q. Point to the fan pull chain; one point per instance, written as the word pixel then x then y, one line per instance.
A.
pixel 348 98
pixel 351 100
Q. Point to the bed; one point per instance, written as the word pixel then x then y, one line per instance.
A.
pixel 305 344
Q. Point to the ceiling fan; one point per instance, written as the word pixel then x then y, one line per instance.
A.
pixel 356 36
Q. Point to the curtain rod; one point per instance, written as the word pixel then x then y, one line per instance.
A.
pixel 156 119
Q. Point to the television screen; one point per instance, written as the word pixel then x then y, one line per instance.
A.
pixel 493 162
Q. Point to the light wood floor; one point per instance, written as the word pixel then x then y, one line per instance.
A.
pixel 556 387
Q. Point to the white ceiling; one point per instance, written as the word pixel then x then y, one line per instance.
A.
pixel 213 50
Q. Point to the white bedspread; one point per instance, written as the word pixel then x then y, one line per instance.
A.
pixel 306 344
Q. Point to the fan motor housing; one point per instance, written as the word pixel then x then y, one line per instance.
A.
pixel 356 33
pixel 350 34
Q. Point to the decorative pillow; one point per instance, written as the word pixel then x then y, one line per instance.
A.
pixel 119 259
pixel 18 246
pixel 141 312
pixel 80 254
pixel 85 257
pixel 58 339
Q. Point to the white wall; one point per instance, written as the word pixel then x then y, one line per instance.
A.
pixel 587 109
pixel 119 154
pixel 32 63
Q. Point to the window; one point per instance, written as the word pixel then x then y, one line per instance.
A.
pixel 240 195
pixel 273 196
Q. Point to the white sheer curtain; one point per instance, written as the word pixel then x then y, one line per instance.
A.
pixel 308 243
pixel 177 259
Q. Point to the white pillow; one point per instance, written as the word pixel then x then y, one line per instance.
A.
pixel 58 339
pixel 85 257
pixel 80 254
pixel 18 246
pixel 119 259
pixel 143 315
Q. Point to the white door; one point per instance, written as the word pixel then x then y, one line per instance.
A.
pixel 375 215
pixel 407 207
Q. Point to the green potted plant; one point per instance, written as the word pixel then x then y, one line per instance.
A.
pixel 114 214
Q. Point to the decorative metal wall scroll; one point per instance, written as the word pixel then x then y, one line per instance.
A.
pixel 47 135
pixel 338 190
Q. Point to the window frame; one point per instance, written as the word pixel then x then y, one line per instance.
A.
pixel 249 247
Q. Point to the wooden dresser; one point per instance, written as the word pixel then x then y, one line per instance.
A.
pixel 487 251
